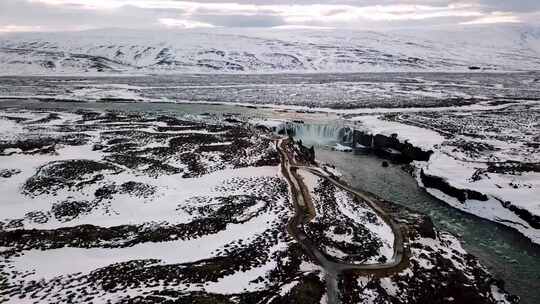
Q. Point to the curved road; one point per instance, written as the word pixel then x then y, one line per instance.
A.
pixel 302 201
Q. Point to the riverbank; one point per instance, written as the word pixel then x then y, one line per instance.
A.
pixel 505 252
pixel 476 172
pixel 420 252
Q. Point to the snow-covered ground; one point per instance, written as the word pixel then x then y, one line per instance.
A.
pixel 350 230
pixel 425 267
pixel 269 51
pixel 91 198
pixel 491 152
pixel 341 148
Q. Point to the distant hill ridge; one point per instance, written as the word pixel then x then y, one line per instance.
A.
pixel 503 48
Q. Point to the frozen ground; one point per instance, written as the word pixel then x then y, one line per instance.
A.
pixel 340 93
pixel 138 207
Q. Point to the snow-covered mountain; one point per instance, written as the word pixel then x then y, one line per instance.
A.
pixel 270 51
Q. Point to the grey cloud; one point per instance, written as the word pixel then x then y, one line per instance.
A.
pixel 27 13
pixel 397 24
pixel 241 20
pixel 511 6
pixel 335 12
pixel 488 5
pixel 17 12
pixel 345 2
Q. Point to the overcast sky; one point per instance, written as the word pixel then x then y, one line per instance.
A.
pixel 60 15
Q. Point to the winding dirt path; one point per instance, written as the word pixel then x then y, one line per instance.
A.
pixel 305 211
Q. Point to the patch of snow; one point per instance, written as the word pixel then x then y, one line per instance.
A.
pixel 420 137
pixel 341 148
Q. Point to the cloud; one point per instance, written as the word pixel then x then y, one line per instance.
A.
pixel 183 23
pixel 72 16
pixel 18 28
pixel 495 17
pixel 261 20
pixel 515 6
pixel 22 15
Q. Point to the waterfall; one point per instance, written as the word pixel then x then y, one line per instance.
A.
pixel 321 134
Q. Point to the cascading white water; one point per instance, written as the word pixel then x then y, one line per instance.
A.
pixel 321 134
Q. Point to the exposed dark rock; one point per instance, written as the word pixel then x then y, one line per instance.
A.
pixel 414 153
pixel 308 154
pixel 66 174
pixel 309 290
pixel 7 173
pixel 389 147
pixel 39 145
pixel 68 210
pixel 441 184
pixel 425 227
pixel 524 214
pixel 513 167
pixel 137 189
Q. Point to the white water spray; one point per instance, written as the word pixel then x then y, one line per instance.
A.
pixel 321 134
